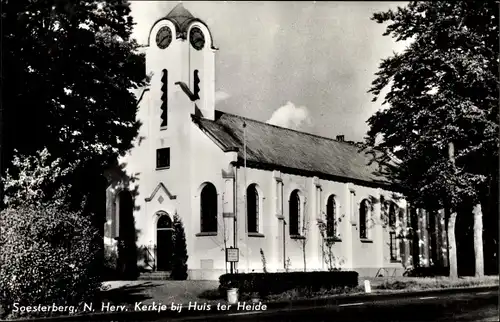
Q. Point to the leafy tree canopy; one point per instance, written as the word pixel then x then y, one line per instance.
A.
pixel 68 70
pixel 443 88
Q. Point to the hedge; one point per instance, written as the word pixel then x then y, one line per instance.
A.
pixel 274 283
pixel 431 271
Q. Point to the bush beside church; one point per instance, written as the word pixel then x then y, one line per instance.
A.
pixel 47 256
pixel 48 252
pixel 179 256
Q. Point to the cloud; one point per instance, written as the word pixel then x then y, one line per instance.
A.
pixel 221 96
pixel 290 116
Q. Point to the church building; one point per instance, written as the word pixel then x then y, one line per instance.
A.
pixel 268 191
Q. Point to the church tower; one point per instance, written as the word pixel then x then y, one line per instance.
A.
pixel 157 181
pixel 181 56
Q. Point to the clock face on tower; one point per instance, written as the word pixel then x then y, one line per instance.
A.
pixel 197 38
pixel 164 37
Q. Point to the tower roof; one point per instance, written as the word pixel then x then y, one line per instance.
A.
pixel 180 16
pixel 182 19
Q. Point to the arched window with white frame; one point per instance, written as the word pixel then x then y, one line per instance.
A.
pixel 331 217
pixel 364 219
pixel 208 209
pixel 294 214
pixel 253 208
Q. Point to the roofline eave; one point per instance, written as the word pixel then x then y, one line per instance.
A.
pixel 327 176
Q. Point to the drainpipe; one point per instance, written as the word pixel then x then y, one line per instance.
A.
pixel 284 243
pixel 284 225
pixel 235 217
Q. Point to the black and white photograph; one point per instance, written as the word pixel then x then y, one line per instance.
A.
pixel 249 160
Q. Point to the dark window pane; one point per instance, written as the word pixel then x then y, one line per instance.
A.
pixel 362 219
pixel 196 83
pixel 392 214
pixel 393 245
pixel 252 209
pixel 330 217
pixel 208 208
pixel 294 213
pixel 256 210
pixel 164 98
pixel 163 158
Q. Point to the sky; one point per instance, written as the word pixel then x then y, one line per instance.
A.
pixel 304 65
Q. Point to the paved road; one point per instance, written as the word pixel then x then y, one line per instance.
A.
pixel 478 307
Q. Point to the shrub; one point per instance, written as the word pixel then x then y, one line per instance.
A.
pixel 46 256
pixel 47 252
pixel 274 283
pixel 179 256
pixel 430 271
pixel 110 263
pixel 264 262
pixel 127 259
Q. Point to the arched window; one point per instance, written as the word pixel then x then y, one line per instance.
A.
pixel 393 238
pixel 331 226
pixel 397 231
pixel 364 217
pixel 294 214
pixel 401 217
pixel 208 209
pixel 252 209
pixel 392 214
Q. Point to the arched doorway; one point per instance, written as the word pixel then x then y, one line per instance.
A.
pixel 164 249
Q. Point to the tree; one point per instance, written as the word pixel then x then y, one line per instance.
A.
pixel 68 70
pixel 442 120
pixel 47 254
pixel 179 256
pixel 304 237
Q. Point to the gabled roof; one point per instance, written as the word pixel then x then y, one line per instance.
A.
pixel 274 147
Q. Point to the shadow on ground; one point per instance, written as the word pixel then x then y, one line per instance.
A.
pixel 127 294
pixel 149 292
pixel 214 294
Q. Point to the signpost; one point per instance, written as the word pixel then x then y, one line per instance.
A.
pixel 232 256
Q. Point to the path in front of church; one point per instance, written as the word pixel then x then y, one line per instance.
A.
pixel 479 306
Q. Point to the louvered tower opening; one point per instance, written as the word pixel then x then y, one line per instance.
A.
pixel 164 98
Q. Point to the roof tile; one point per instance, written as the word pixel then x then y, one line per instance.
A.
pixel 273 145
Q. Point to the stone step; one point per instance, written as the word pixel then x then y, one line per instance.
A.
pixel 154 276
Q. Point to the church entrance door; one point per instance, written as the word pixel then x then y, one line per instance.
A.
pixel 164 249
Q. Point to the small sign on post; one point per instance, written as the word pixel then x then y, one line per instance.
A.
pixel 232 255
